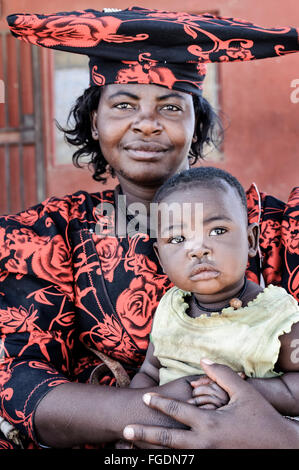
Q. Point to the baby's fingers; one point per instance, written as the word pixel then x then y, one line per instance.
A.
pixel 242 375
pixel 203 380
pixel 211 390
pixel 219 392
pixel 207 406
pixel 206 400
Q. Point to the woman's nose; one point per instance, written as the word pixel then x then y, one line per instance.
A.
pixel 147 124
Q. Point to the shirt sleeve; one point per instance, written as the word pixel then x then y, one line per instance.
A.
pixel 36 310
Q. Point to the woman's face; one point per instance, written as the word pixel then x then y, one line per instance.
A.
pixel 144 131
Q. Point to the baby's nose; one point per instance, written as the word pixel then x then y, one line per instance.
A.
pixel 199 251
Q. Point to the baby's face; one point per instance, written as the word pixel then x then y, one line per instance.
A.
pixel 203 241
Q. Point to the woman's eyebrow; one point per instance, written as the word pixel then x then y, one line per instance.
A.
pixel 135 97
pixel 124 93
pixel 171 95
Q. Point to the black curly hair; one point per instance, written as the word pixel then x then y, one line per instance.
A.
pixel 208 130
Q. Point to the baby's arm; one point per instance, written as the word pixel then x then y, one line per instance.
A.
pixel 148 374
pixel 283 392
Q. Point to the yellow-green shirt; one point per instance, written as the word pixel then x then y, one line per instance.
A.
pixel 246 339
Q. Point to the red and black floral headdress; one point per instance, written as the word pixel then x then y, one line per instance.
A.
pixel 138 45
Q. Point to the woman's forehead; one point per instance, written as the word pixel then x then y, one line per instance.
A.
pixel 144 90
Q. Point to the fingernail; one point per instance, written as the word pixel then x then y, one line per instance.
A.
pixel 128 433
pixel 207 361
pixel 147 398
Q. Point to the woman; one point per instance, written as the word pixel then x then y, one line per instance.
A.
pixel 85 293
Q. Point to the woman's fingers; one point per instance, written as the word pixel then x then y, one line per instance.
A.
pixel 146 445
pixel 157 436
pixel 178 410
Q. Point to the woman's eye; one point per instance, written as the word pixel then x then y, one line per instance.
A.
pixel 171 107
pixel 123 106
pixel 177 239
pixel 218 231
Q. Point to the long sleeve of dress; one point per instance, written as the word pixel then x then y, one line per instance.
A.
pixel 290 244
pixel 278 222
pixel 36 310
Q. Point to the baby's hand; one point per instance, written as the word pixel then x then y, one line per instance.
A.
pixel 207 394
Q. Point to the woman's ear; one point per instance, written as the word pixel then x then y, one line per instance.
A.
pixel 253 239
pixel 195 132
pixel 94 128
pixel 155 246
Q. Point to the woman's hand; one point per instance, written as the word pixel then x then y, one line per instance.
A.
pixel 248 421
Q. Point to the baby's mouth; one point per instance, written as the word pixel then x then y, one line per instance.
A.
pixel 204 271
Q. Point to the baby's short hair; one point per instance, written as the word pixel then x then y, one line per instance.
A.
pixel 207 176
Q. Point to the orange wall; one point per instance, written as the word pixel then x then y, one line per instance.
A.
pixel 262 141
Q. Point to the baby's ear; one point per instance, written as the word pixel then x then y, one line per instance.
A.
pixel 253 234
pixel 155 246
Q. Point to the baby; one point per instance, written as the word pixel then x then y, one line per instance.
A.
pixel 203 244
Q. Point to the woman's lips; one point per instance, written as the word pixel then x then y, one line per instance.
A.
pixel 146 150
pixel 203 272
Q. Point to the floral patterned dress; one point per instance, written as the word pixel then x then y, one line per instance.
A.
pixel 64 289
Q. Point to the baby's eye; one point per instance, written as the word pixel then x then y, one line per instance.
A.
pixel 177 239
pixel 217 231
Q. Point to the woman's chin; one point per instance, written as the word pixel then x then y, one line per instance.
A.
pixel 148 178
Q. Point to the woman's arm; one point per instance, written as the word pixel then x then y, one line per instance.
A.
pixel 92 413
pixel 74 414
pixel 148 375
pixel 35 354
